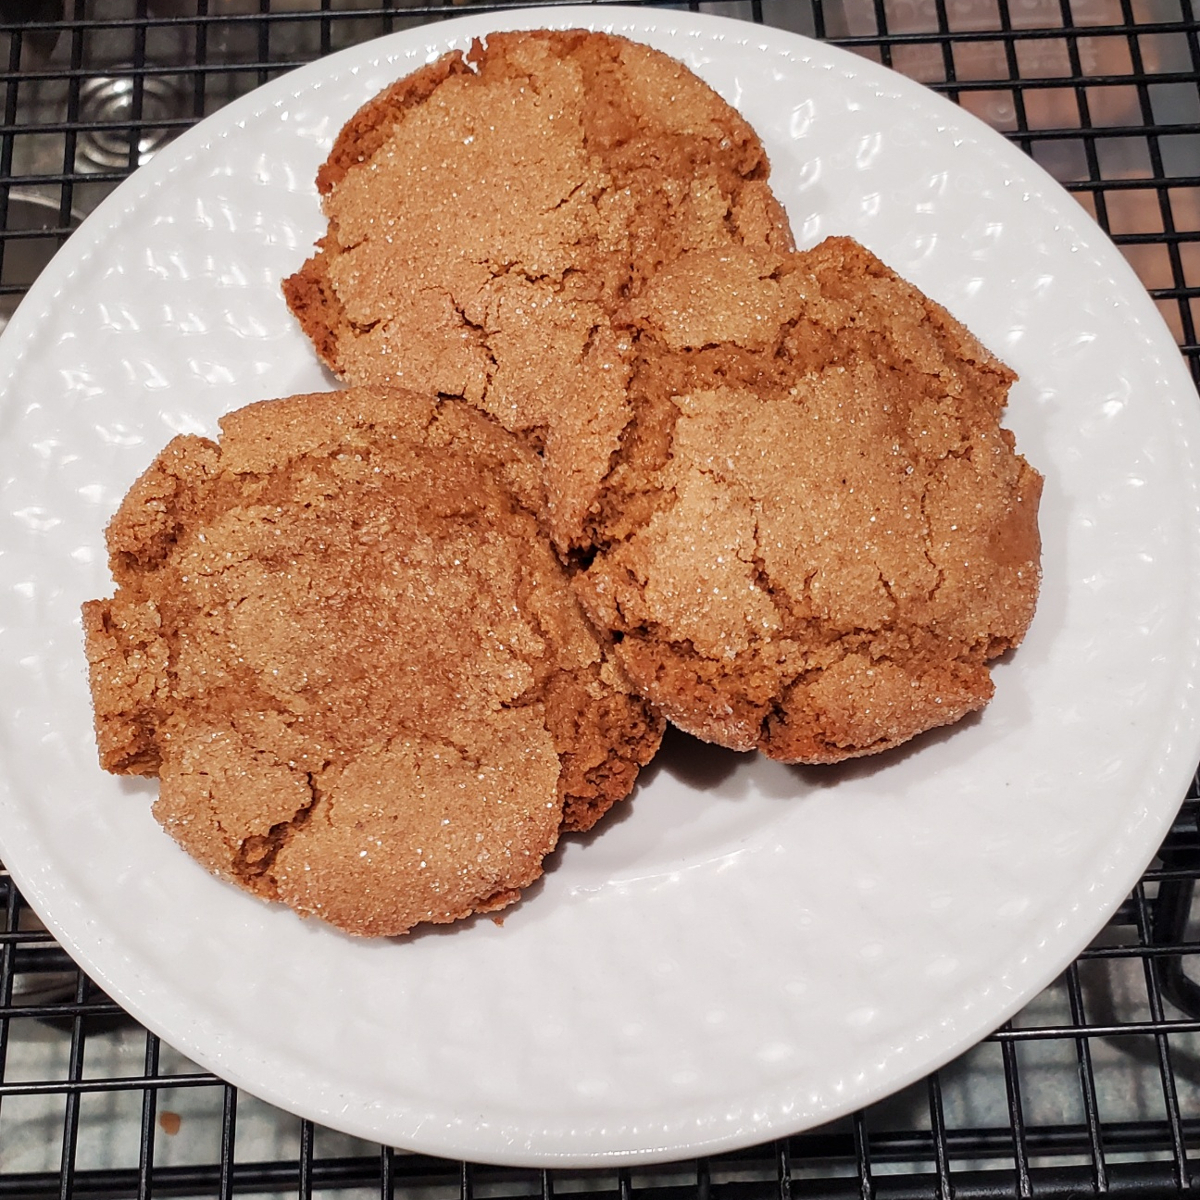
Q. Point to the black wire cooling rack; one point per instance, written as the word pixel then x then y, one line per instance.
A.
pixel 1094 1088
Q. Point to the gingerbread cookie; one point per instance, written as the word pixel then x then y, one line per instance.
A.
pixel 490 213
pixel 342 642
pixel 817 534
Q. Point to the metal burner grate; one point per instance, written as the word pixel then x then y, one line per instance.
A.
pixel 1094 1088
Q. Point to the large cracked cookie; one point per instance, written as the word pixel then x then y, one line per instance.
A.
pixel 344 645
pixel 816 534
pixel 489 214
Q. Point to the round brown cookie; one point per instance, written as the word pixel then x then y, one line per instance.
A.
pixel 488 214
pixel 816 534
pixel 342 643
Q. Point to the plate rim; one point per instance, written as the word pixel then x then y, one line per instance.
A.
pixel 1182 735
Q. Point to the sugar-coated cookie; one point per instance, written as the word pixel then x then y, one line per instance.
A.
pixel 819 534
pixel 341 640
pixel 489 214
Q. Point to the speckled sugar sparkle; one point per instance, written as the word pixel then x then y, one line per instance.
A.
pixel 755 948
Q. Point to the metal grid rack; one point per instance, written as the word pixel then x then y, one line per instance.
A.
pixel 1093 1088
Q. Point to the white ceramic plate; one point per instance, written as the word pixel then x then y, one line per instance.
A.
pixel 749 949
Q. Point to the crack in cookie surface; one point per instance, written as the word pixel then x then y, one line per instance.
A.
pixel 343 643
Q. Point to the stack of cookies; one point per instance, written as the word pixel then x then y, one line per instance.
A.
pixel 611 451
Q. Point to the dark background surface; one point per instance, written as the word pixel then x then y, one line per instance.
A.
pixel 1093 1088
